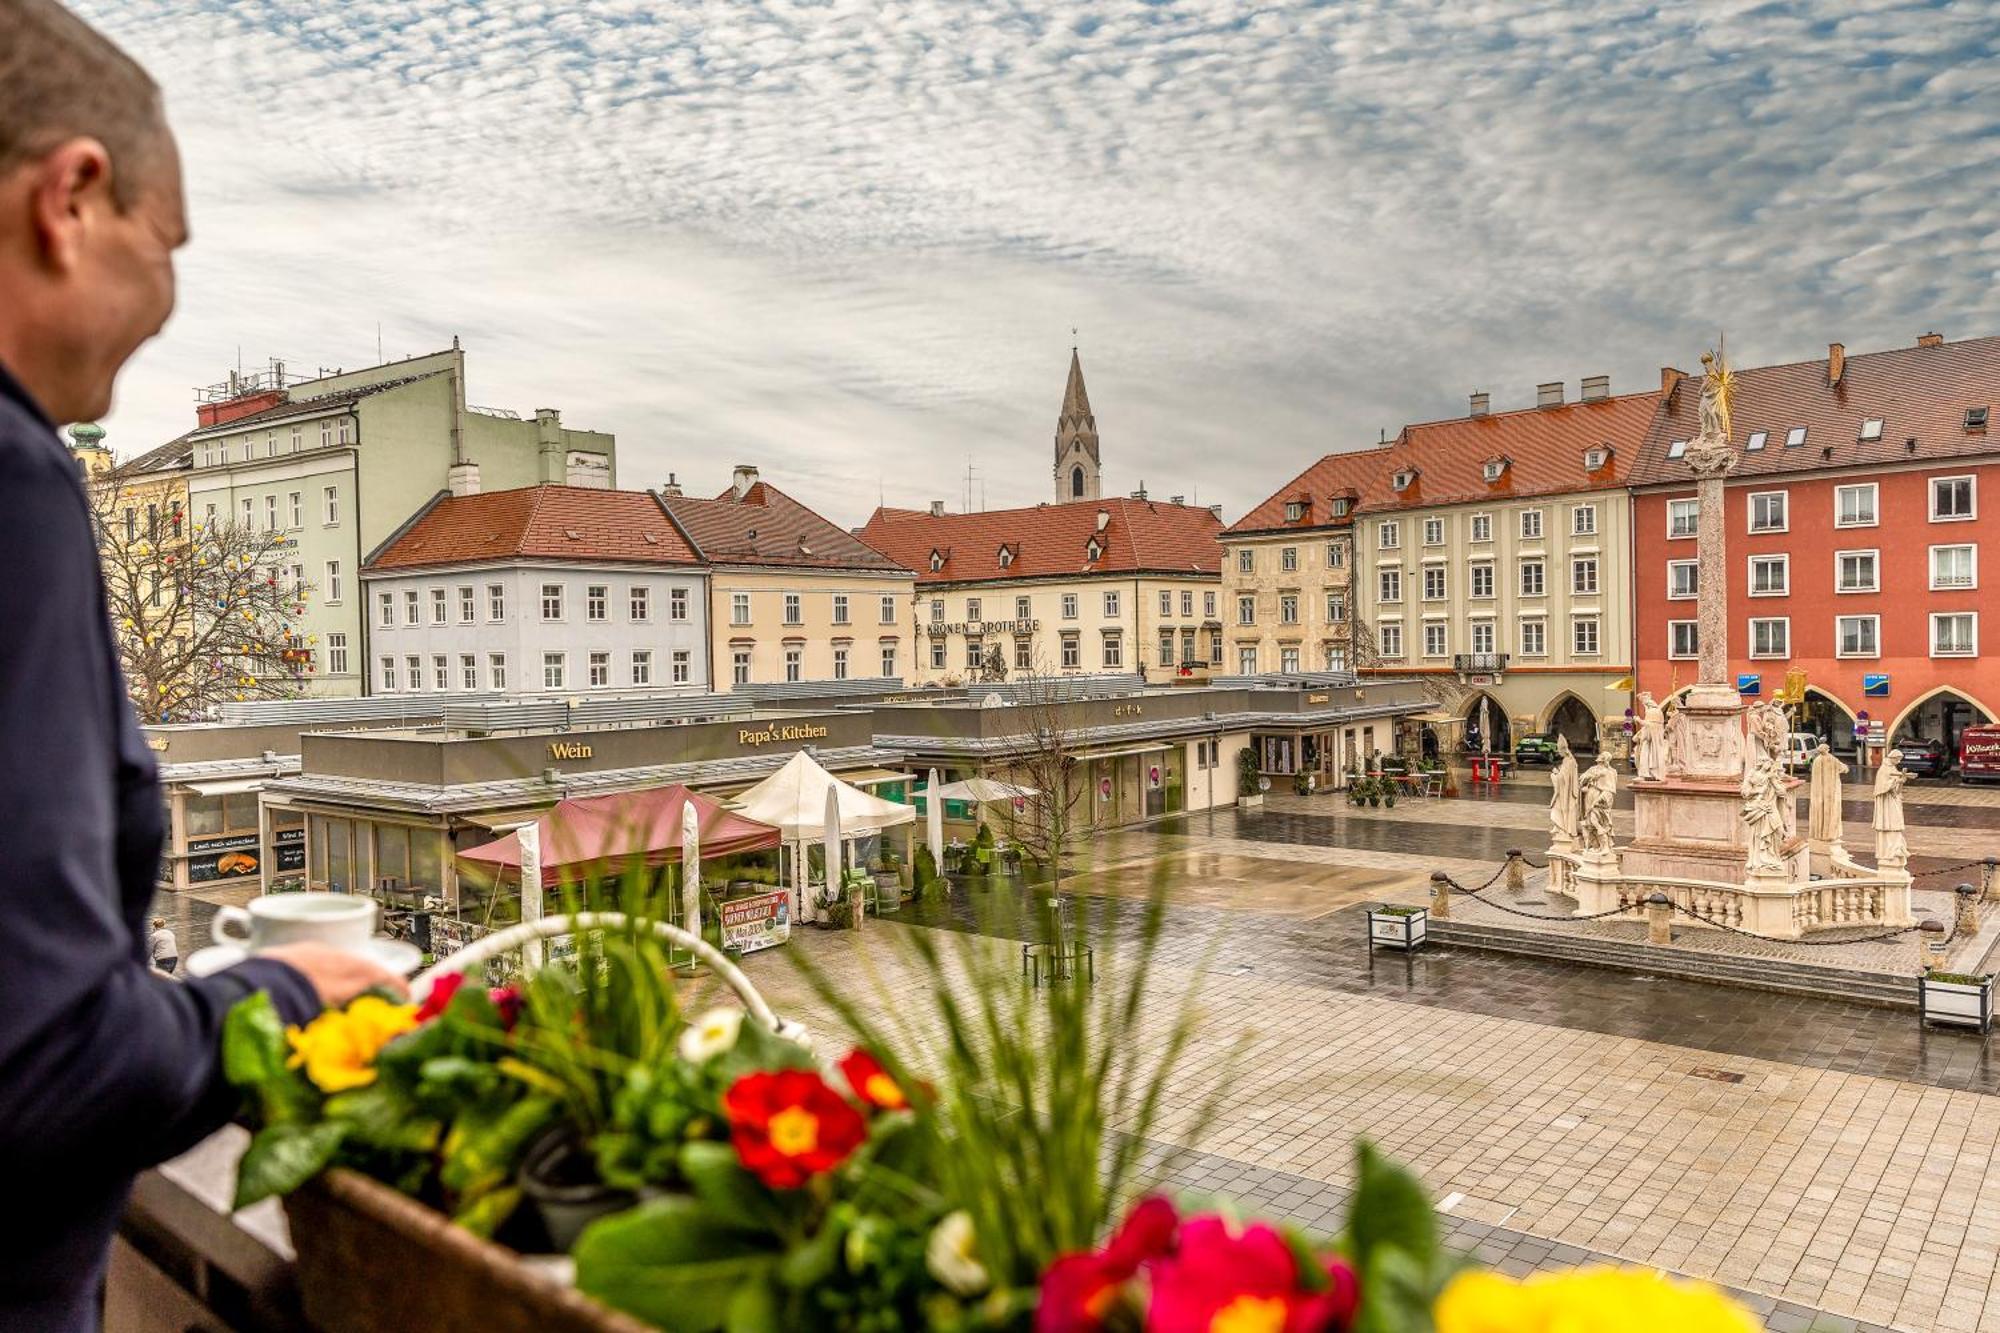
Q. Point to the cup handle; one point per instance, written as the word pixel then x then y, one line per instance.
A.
pixel 227 921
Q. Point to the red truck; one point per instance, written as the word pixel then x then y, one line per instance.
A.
pixel 1979 753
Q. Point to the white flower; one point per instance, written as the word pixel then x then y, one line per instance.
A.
pixel 950 1255
pixel 710 1035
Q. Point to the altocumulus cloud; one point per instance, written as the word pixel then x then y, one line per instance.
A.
pixel 848 240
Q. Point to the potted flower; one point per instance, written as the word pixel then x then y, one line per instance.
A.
pixel 1957 999
pixel 1396 926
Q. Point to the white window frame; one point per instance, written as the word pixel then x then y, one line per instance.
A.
pixel 556 600
pixel 1930 566
pixel 1111 604
pixel 1873 492
pixel 1392 638
pixel 1472 580
pixel 440 607
pixel 496 671
pixel 1389 535
pixel 496 603
pixel 1480 527
pixel 1679 505
pixel 1540 565
pixel 1972 495
pixel 1750 511
pixel 332 596
pixel 1484 637
pixel 1531 525
pixel 739 608
pixel 1069 606
pixel 1840 634
pixel 336 653
pixel 468 605
pixel 330 507
pixel 889 609
pixel 1972 616
pixel 596 602
pixel 795 608
pixel 468 671
pixel 1767 654
pixel 1675 652
pixel 1577 564
pixel 1540 625
pixel 1434 532
pixel 840 609
pixel 385 608
pixel 1383 591
pixel 1676 565
pixel 597 669
pixel 413 607
pixel 1434 572
pixel 1576 624
pixel 1288 563
pixel 1874 568
pixel 1583 520
pixel 1784 562
pixel 555 671
pixel 642 667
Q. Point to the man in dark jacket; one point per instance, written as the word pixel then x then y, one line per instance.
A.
pixel 105 1066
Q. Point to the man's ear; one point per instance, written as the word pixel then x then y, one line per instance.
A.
pixel 69 186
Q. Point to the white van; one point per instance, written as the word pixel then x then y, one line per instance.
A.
pixel 1800 747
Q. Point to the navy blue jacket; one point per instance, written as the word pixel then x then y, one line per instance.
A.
pixel 106 1067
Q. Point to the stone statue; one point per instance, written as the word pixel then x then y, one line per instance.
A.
pixel 1566 799
pixel 1768 729
pixel 1599 788
pixel 1673 741
pixel 1764 815
pixel 1650 758
pixel 1890 779
pixel 1823 821
pixel 1708 454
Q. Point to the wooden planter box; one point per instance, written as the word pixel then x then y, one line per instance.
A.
pixel 1956 1003
pixel 1397 929
pixel 1249 802
pixel 370 1259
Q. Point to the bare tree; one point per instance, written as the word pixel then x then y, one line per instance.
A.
pixel 204 614
pixel 1047 825
pixel 994 668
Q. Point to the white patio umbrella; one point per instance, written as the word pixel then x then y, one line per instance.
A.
pixel 985 791
pixel 690 869
pixel 934 821
pixel 833 885
pixel 531 890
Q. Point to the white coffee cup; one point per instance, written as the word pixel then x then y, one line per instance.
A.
pixel 341 920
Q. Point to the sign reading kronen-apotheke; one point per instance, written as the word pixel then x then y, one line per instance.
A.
pixel 570 750
pixel 940 628
pixel 791 731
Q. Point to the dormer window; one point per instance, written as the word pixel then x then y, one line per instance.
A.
pixel 1871 429
pixel 1975 418
pixel 1294 510
pixel 937 561
pixel 1493 470
pixel 1093 549
pixel 1593 459
pixel 1340 507
pixel 1402 480
pixel 1006 556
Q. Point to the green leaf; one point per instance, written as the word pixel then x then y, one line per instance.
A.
pixel 486 1144
pixel 254 1050
pixel 1397 1294
pixel 483 1216
pixel 672 1262
pixel 754 1309
pixel 1390 1210
pixel 283 1157
pixel 817 1258
pixel 730 1193
pixel 383 1117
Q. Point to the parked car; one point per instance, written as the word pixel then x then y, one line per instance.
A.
pixel 1924 756
pixel 1799 748
pixel 1535 750
pixel 1979 753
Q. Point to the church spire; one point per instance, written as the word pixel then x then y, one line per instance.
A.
pixel 1076 440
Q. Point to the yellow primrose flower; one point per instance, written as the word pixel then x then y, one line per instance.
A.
pixel 1587 1300
pixel 338 1048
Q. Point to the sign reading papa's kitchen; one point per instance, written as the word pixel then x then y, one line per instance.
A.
pixel 791 731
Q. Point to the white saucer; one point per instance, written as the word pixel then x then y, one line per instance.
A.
pixel 398 956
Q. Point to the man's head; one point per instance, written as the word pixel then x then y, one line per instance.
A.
pixel 90 208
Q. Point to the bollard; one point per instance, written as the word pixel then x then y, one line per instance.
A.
pixel 1990 878
pixel 1517 872
pixel 1659 919
pixel 1966 922
pixel 1440 895
pixel 1930 945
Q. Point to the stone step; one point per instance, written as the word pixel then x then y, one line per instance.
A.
pixel 1777 974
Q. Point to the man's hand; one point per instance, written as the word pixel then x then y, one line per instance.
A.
pixel 338 976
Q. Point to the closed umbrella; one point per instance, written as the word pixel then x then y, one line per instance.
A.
pixel 531 889
pixel 934 820
pixel 691 869
pixel 833 885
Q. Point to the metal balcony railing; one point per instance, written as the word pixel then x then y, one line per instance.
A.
pixel 1479 662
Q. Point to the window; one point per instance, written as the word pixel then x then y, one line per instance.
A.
pixel 332 581
pixel 840 610
pixel 1388 534
pixel 496 671
pixel 1770 575
pixel 937 610
pixel 1288 559
pixel 552 601
pixel 975 654
pixel 1246 610
pixel 1023 610
pixel 794 609
pixel 336 654
pixel 441 672
pixel 345 427
pixel 326 433
pixel 1072 653
pixel 1214 648
pixel 1683 638
pixel 330 506
pixel 1110 604
pixel 249 519
pixel 1755 444
pixel 1166 604
pixel 1954 567
pixel 388 675
pixel 496 602
pixel 1336 608
pixel 642 666
pixel 1294 511
pixel 1187 606
pixel 1534 638
pixel 270 513
pixel 1434 585
pixel 1288 608
pixel 1482 636
pixel 1166 648
pixel 415 667
pixel 1767 511
pixel 1246 660
pixel 1208 605
pixel 386 602
pixel 1336 555
pixel 889 660
pixel 1392 640
pixel 739 608
pixel 1771 637
pixel 1534 578
pixel 794 664
pixel 298 438
pixel 1583 575
pixel 1858 636
pixel 295 509
pixel 1482 527
pixel 1583 520
pixel 1246 561
pixel 1434 639
pixel 937 654
pixel 1069 606
pixel 889 612
pixel 1683 518
pixel 1795 437
pixel 555 667
pixel 1583 636
pixel 1404 479
pixel 1871 429
pixel 1494 469
pixel 1531 524
pixel 1481 577
pixel 596 602
pixel 683 666
pixel 468 607
pixel 639 603
pixel 468 671
pixel 1683 580
pixel 1389 585
pixel 1952 499
pixel 1854 506
pixel 840 662
pixel 600 670
pixel 1854 571
pixel 739 666
pixel 1434 532
pixel 412 608
pixel 1114 651
pixel 1288 661
pixel 975 610
pixel 440 606
pixel 1336 657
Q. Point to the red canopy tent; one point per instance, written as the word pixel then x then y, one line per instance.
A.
pixel 613 831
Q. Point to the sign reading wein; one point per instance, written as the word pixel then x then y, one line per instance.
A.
pixel 569 750
pixel 791 731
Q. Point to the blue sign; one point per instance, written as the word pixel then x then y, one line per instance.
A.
pixel 1876 687
pixel 1750 683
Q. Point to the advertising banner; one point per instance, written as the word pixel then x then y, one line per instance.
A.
pixel 231 856
pixel 760 921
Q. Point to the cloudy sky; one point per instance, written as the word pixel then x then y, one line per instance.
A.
pixel 847 240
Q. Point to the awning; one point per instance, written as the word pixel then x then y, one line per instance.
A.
pixel 980 790
pixel 1129 749
pixel 1436 719
pixel 871 777
pixel 232 787
pixel 611 831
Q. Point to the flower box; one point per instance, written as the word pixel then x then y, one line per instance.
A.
pixel 1249 802
pixel 1397 927
pixel 370 1259
pixel 1959 1001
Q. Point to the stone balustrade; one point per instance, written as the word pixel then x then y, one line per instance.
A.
pixel 1856 895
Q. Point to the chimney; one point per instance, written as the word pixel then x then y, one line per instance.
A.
pixel 1670 379
pixel 1176 499
pixel 937 509
pixel 1103 519
pixel 673 486
pixel 743 478
pixel 463 479
pixel 1836 361
pixel 1482 403
pixel 1550 394
pixel 1596 388
pixel 549 444
pixel 1930 340
pixel 1215 510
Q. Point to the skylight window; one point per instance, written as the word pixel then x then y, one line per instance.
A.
pixel 1677 448
pixel 1795 437
pixel 1975 418
pixel 1871 429
pixel 1755 443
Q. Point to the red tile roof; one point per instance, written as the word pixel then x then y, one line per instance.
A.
pixel 1051 540
pixel 1918 393
pixel 538 523
pixel 768 527
pixel 1359 476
